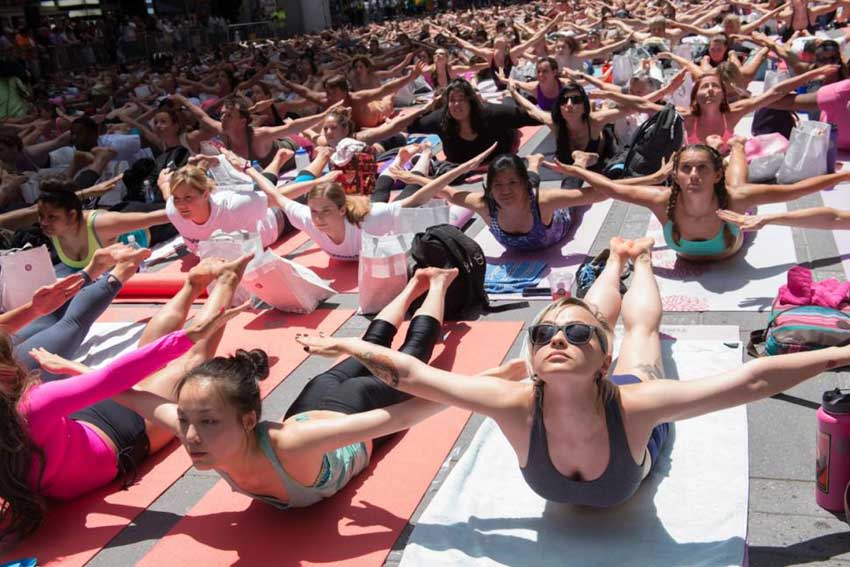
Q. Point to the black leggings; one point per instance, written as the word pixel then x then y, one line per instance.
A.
pixel 384 185
pixel 350 388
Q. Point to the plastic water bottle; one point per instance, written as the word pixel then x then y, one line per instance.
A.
pixel 131 242
pixel 832 467
pixel 302 159
pixel 147 188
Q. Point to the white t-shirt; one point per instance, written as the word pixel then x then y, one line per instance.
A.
pixel 229 211
pixel 380 220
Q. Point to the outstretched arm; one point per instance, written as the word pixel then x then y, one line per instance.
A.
pixel 110 225
pixel 750 194
pixel 425 194
pixel 671 400
pixel 483 394
pixel 198 113
pixel 825 218
pixel 295 126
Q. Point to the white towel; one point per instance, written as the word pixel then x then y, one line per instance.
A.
pixel 691 510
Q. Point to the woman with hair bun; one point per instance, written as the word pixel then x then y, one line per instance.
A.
pixel 328 434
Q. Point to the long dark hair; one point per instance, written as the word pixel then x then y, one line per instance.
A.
pixel 476 113
pixel 500 163
pixel 22 508
pixel 719 190
pixel 562 131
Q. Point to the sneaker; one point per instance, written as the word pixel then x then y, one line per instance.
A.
pixel 590 270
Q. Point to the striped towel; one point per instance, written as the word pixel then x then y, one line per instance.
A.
pixel 513 277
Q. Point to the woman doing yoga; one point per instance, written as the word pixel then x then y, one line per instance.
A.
pixel 581 436
pixel 701 185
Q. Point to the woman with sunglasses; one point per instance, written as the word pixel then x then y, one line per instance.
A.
pixel 580 435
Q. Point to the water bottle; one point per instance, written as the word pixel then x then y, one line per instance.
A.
pixel 131 242
pixel 832 466
pixel 147 188
pixel 302 159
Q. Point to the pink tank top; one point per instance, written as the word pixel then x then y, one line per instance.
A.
pixel 693 133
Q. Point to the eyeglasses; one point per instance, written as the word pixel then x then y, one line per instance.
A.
pixel 576 334
pixel 575 99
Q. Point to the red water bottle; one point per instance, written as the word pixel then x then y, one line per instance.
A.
pixel 832 468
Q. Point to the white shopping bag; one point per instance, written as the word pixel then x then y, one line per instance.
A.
pixel 230 246
pixel 418 219
pixel 22 271
pixel 773 77
pixel 285 285
pixel 806 155
pixel 125 144
pixel 405 96
pixel 228 177
pixel 382 272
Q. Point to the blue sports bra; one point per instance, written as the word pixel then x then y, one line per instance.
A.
pixel 712 247
pixel 541 235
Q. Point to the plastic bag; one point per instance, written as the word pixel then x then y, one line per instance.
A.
pixel 285 285
pixel 764 169
pixel 125 144
pixel 622 68
pixel 382 271
pixel 806 156
pixel 418 219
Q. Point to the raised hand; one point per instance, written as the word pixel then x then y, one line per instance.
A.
pixel 747 223
pixel 49 298
pixel 56 364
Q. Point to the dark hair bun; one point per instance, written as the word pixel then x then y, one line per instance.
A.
pixel 255 362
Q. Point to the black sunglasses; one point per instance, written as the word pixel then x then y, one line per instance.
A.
pixel 575 99
pixel 576 334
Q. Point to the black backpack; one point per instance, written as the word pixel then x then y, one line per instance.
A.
pixel 446 246
pixel 770 120
pixel 657 138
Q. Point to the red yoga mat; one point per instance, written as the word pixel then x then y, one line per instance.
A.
pixel 357 526
pixel 165 283
pixel 75 531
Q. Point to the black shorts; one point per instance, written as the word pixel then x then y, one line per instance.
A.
pixel 127 431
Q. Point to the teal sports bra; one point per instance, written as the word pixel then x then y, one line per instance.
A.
pixel 338 467
pixel 699 247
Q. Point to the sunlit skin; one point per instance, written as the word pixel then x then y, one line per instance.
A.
pixel 710 91
pixel 696 173
pixel 328 218
pixel 211 431
pixel 333 131
pixel 717 50
pixel 558 358
pixel 191 203
pixel 509 190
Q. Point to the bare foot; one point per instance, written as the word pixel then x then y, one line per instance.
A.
pixel 238 265
pixel 736 140
pixel 204 273
pixel 534 161
pixel 621 248
pixel 407 152
pixel 440 275
pixel 641 246
pixel 282 156
pixel 585 159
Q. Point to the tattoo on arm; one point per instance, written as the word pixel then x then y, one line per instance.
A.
pixel 651 371
pixel 381 366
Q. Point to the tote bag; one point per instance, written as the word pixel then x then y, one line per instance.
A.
pixel 22 271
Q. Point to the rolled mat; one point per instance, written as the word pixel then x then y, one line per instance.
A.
pixel 165 282
pixel 75 531
pixel 690 511
pixel 357 526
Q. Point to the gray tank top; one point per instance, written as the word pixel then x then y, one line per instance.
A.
pixel 617 484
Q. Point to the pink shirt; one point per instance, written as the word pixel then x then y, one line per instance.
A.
pixel 77 459
pixel 832 101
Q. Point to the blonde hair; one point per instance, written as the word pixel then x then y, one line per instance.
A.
pixel 193 176
pixel 356 206
pixel 606 390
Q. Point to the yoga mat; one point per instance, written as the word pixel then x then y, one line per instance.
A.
pixel 75 531
pixel 586 224
pixel 690 511
pixel 162 282
pixel 356 527
pixel 748 281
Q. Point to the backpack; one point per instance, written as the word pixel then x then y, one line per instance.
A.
pixel 770 120
pixel 446 246
pixel 800 328
pixel 359 174
pixel 657 138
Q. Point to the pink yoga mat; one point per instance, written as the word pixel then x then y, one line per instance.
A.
pixel 75 531
pixel 356 527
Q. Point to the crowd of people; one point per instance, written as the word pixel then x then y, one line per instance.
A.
pixel 472 79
